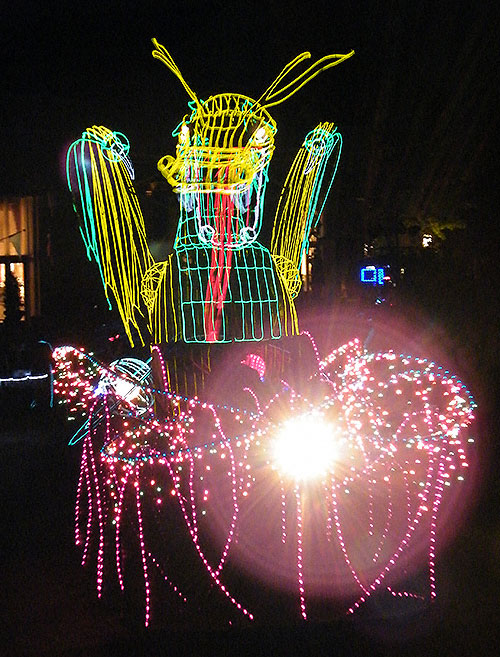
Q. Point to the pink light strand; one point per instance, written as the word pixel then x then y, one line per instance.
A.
pixel 438 495
pixel 143 548
pixel 329 509
pixel 404 594
pixel 82 474
pixel 167 579
pixel 157 351
pixel 90 510
pixel 100 551
pixel 204 560
pixel 387 525
pixel 340 537
pixel 234 493
pixel 300 560
pixel 314 346
pixel 401 547
pixel 117 532
pixel 255 398
pixel 283 512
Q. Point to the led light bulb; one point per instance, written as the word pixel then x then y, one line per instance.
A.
pixel 305 447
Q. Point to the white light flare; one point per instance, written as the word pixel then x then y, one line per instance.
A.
pixel 126 389
pixel 305 447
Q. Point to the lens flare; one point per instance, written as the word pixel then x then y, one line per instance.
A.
pixel 305 447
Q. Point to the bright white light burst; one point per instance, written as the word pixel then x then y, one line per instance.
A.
pixel 305 447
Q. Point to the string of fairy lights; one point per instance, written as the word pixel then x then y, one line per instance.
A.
pixel 374 428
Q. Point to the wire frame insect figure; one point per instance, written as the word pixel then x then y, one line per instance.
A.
pixel 220 284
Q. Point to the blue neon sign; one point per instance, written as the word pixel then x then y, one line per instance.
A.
pixel 373 275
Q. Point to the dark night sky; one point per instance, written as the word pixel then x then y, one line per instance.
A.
pixel 418 101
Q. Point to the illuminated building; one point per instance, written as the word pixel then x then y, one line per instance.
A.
pixel 18 251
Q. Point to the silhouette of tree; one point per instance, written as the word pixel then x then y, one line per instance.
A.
pixel 12 300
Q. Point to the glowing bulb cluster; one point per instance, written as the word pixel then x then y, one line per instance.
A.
pixel 374 436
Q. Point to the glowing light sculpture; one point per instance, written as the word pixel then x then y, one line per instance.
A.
pixel 219 284
pixel 100 175
pixel 302 201
pixel 362 452
pixel 353 449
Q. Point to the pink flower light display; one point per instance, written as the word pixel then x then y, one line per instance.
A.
pixel 333 484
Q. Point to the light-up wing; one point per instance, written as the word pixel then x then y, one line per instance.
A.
pixel 302 200
pixel 100 175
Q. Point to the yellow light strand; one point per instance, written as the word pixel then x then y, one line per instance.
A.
pixel 219 284
pixel 297 83
pixel 113 223
pixel 162 54
pixel 298 211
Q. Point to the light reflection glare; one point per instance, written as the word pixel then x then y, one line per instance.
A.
pixel 305 447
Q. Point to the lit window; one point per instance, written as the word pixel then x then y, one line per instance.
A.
pixel 17 268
